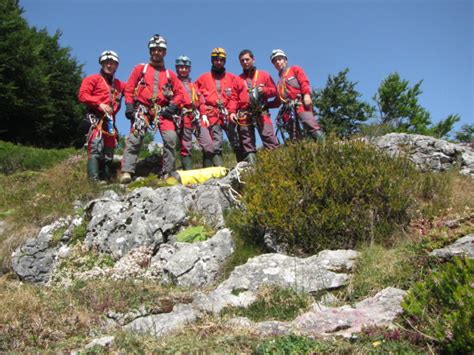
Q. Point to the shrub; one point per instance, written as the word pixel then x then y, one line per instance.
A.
pixel 442 306
pixel 334 195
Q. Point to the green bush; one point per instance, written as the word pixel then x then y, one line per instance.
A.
pixel 334 195
pixel 442 306
pixel 16 158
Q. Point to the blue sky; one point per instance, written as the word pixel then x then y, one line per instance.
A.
pixel 429 40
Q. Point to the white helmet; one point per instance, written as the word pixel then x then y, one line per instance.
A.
pixel 157 41
pixel 277 53
pixel 108 55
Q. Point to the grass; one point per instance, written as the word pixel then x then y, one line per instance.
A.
pixel 38 318
pixel 273 303
pixel 16 158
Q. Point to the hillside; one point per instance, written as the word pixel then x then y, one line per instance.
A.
pixel 317 248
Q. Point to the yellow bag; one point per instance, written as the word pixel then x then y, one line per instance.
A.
pixel 196 176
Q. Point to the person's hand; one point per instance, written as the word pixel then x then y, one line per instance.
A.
pixel 129 112
pixel 205 120
pixel 233 117
pixel 307 100
pixel 260 89
pixel 106 108
pixel 169 111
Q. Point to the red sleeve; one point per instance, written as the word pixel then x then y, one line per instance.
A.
pixel 237 94
pixel 132 82
pixel 179 98
pixel 86 92
pixel 269 89
pixel 300 75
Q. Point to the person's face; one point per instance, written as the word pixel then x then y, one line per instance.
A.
pixel 183 70
pixel 218 62
pixel 157 54
pixel 279 62
pixel 109 66
pixel 246 61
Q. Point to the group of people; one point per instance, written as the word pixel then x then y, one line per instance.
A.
pixel 157 98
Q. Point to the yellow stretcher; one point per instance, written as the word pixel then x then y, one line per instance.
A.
pixel 196 176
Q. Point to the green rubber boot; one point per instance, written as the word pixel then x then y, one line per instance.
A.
pixel 217 160
pixel 251 158
pixel 187 162
pixel 93 169
pixel 207 160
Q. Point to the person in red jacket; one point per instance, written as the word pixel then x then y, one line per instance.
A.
pixel 253 105
pixel 193 116
pixel 294 92
pixel 102 94
pixel 219 89
pixel 152 97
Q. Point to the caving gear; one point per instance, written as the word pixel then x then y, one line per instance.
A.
pixel 277 53
pixel 108 55
pixel 196 176
pixel 187 162
pixel 183 60
pixel 219 52
pixel 157 41
pixel 129 112
pixel 169 111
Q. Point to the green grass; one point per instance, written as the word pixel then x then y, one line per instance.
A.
pixel 273 303
pixel 16 158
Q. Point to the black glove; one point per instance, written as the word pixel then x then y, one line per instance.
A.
pixel 169 110
pixel 130 112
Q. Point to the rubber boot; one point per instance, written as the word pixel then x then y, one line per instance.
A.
pixel 207 160
pixel 93 169
pixel 251 158
pixel 318 136
pixel 217 160
pixel 186 162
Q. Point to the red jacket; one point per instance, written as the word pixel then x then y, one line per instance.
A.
pixel 293 82
pixel 229 87
pixel 140 86
pixel 191 95
pixel 95 90
pixel 256 78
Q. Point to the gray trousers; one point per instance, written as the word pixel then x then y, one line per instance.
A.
pixel 170 143
pixel 203 137
pixel 130 154
pixel 247 137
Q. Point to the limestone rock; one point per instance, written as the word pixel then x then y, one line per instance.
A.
pixel 462 247
pixel 428 153
pixel 309 274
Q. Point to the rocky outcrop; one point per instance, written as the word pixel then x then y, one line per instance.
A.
pixel 34 260
pixel 460 248
pixel 379 310
pixel 428 153
pixel 324 271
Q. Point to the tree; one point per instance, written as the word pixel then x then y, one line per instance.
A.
pixel 339 108
pixel 399 108
pixel 38 84
pixel 466 134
